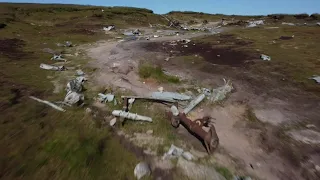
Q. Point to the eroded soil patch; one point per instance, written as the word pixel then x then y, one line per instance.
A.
pixel 212 53
pixel 12 48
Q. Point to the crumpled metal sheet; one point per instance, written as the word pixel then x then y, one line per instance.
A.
pixel 220 93
pixel 103 98
pixel 51 67
pixel 73 98
pixel 75 85
pixel 58 58
pixel 265 57
pixel 170 96
pixel 316 78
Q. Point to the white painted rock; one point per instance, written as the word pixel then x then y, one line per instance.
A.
pixel 113 121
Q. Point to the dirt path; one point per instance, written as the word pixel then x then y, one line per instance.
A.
pixel 117 65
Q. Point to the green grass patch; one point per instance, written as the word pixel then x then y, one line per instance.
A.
pixel 225 172
pixel 149 71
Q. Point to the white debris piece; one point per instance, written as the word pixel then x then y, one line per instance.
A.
pixel 318 23
pixel 109 28
pixel 79 72
pixel 48 103
pixel 170 96
pixel 175 152
pixel 206 91
pixel 113 121
pixel 255 23
pixel 131 116
pixel 68 44
pixel 160 89
pixel 156 36
pixel 316 78
pixel 220 93
pixel 194 103
pixel 188 156
pixel 103 98
pixel 265 57
pixel 174 110
pixel 289 24
pixel 51 67
pixel 58 58
pixel 73 98
pixel 130 102
pixel 142 169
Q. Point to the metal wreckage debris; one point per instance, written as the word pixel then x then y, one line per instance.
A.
pixel 210 138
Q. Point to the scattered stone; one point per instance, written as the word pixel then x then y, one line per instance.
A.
pixel 167 59
pixel 150 132
pixel 306 136
pixel 198 171
pixel 142 169
pixel 113 121
pixel 311 126
pixel 160 89
pixel 88 110
pixel 79 72
pixel 173 152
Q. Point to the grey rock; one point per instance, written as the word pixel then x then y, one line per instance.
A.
pixel 198 171
pixel 142 169
pixel 187 156
pixel 150 132
pixel 113 121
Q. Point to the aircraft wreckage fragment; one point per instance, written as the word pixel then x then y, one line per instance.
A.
pixel 131 116
pixel 210 138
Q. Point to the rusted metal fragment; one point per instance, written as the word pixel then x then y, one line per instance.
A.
pixel 210 138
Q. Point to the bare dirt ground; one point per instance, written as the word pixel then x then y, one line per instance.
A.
pixel 243 148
